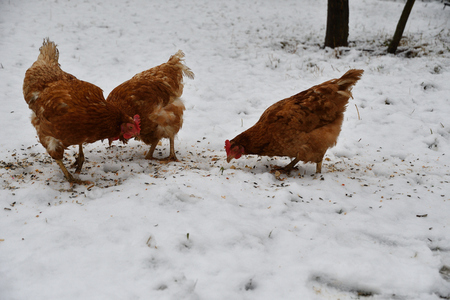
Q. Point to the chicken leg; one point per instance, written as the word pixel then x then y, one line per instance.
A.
pixel 152 149
pixel 171 157
pixel 291 165
pixel 69 176
pixel 79 161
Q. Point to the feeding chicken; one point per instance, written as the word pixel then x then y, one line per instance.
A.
pixel 302 127
pixel 155 95
pixel 67 111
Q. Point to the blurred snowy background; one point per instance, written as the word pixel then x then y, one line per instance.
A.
pixel 374 225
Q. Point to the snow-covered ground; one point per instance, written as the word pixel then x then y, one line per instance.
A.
pixel 375 224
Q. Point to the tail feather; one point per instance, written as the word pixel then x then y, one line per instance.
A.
pixel 48 51
pixel 349 79
pixel 178 58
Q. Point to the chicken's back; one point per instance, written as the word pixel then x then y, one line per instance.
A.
pixel 43 72
pixel 170 73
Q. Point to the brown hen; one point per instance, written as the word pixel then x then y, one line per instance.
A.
pixel 302 127
pixel 67 111
pixel 155 95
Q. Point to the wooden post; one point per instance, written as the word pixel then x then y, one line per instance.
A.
pixel 400 26
pixel 337 24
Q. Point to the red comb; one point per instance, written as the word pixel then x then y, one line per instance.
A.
pixel 227 145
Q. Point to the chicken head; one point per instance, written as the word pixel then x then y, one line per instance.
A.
pixel 131 129
pixel 233 151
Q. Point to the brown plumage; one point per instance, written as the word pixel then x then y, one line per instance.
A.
pixel 303 126
pixel 155 95
pixel 67 111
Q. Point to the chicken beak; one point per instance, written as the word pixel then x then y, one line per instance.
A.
pixel 229 158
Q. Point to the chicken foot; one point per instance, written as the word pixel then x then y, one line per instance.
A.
pixel 291 165
pixel 287 169
pixel 171 157
pixel 319 167
pixel 150 152
pixel 79 161
pixel 69 176
pixel 297 159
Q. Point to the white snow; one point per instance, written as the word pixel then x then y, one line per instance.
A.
pixel 374 225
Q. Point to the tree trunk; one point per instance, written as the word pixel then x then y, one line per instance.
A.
pixel 337 23
pixel 400 26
